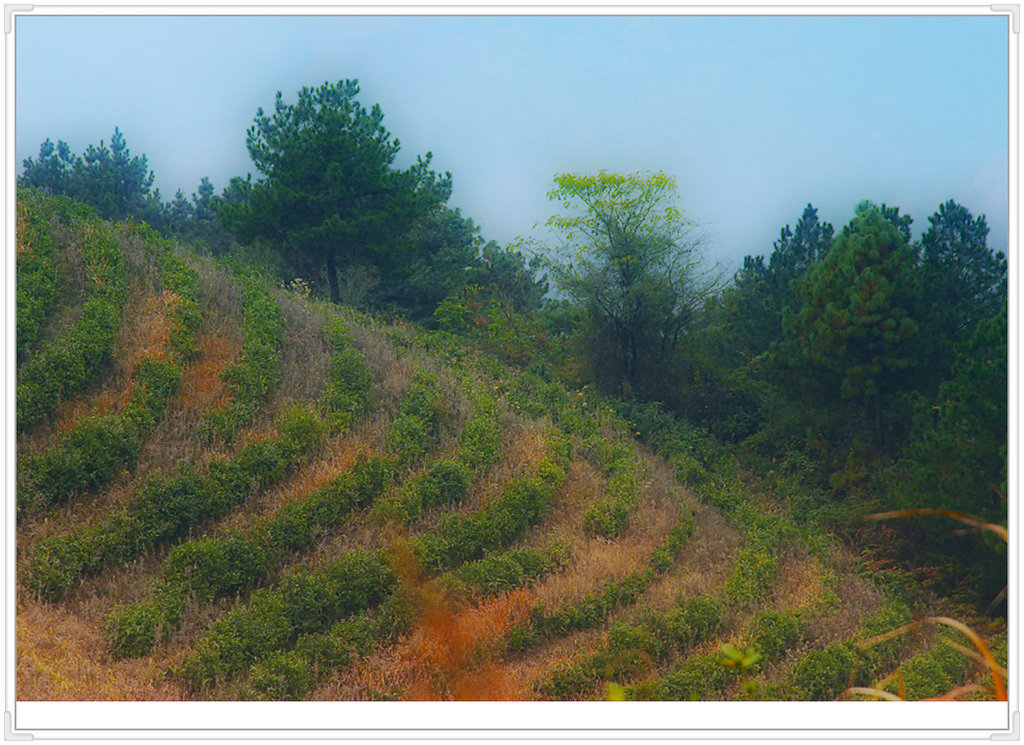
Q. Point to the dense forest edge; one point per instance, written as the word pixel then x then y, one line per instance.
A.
pixel 316 438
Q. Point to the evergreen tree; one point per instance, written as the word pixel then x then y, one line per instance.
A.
pixel 851 337
pixel 329 194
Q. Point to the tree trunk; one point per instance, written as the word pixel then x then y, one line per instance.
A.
pixel 332 278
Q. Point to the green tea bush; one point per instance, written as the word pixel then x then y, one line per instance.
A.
pixel 37 284
pixel 506 570
pixel 607 516
pixel 464 537
pixel 417 418
pixel 165 507
pixel 131 631
pixel 883 657
pixel 445 484
pixel 822 674
pixel 751 577
pixel 480 443
pixel 231 564
pixel 594 608
pixel 697 678
pixel 773 633
pixel 933 672
pixel 258 369
pixel 284 676
pixel 348 379
pixel 100 447
pixel 64 364
pixel 304 602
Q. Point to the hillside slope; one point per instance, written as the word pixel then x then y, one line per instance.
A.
pixel 229 490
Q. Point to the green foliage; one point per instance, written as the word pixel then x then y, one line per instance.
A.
pixel 634 273
pixel 751 577
pixel 165 508
pixel 851 337
pixel 100 447
pixel 37 283
pixel 417 419
pixel 329 194
pixel 480 443
pixel 258 369
pixel 822 674
pixel 110 180
pixel 131 631
pixel 697 678
pixel 957 455
pixel 464 537
pixel 594 608
pixel 444 484
pixel 884 656
pixel 65 363
pixel 303 603
pixel 933 672
pixel 503 571
pixel 773 633
pixel 348 379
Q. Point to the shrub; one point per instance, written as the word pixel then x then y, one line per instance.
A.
pixel 67 362
pixel 131 631
pixel 696 679
pixel 751 577
pixel 822 674
pixel 258 368
pixel 884 656
pixel 480 443
pixel 773 633
pixel 444 484
pixel 284 676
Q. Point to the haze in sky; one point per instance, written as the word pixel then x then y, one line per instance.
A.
pixel 755 116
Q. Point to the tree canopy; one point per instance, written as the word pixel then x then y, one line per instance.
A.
pixel 634 268
pixel 329 194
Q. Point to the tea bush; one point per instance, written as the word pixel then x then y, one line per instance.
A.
pixel 231 564
pixel 304 602
pixel 506 570
pixel 37 283
pixel 131 631
pixel 99 447
pixel 258 369
pixel 348 379
pixel 594 608
pixel 751 577
pixel 65 363
pixel 165 508
pixel 822 674
pixel 773 633
pixel 417 419
pixel 697 678
pixel 480 443
pixel 933 672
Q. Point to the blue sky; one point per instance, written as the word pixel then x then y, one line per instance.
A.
pixel 755 116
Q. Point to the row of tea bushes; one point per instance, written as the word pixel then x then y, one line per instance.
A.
pixel 234 563
pixel 165 508
pixel 632 651
pixel 311 602
pixel 594 608
pixel 100 447
pixel 63 364
pixel 37 280
pixel 258 369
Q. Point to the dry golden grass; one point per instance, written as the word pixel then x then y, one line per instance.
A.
pixel 60 657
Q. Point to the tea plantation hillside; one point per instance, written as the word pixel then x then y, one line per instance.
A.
pixel 228 490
